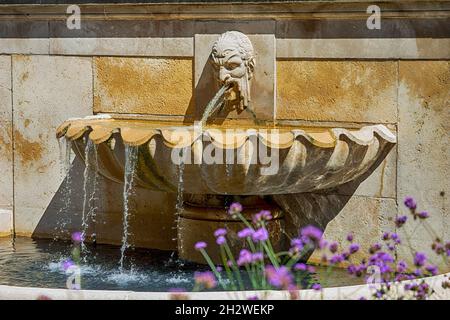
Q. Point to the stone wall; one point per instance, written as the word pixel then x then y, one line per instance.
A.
pixel 329 71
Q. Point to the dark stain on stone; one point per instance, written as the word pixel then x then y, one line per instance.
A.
pixel 28 151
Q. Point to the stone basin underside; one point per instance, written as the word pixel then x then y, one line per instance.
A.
pixel 309 159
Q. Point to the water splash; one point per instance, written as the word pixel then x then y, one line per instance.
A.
pixel 131 157
pixel 215 102
pixel 89 188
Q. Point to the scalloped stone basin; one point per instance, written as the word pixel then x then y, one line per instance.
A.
pixel 301 159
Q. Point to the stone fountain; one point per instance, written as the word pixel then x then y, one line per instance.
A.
pixel 236 151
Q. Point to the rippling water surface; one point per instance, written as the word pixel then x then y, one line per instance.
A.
pixel 37 263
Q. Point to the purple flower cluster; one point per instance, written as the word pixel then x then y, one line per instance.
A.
pixel 206 279
pixel 419 259
pixel 200 245
pixel 245 233
pixel 260 235
pixel 77 237
pixel 420 290
pixel 235 208
pixel 410 203
pixel 263 215
pixel 400 221
pixel 304 267
pixel 279 277
pixel 311 234
pixel 246 257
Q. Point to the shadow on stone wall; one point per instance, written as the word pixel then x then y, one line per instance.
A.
pixel 152 225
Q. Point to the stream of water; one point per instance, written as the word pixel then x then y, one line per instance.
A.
pixel 131 157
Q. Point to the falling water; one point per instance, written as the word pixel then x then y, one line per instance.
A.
pixel 89 187
pixel 179 205
pixel 214 103
pixel 65 160
pixel 253 114
pixel 131 157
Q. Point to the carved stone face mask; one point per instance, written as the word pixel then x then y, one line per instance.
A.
pixel 232 55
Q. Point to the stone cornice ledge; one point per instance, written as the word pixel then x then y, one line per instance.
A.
pixel 236 10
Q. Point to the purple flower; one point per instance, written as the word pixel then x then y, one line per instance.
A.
pixel 253 298
pixel 419 259
pixel 333 247
pixel 300 267
pixel 221 240
pixel 67 264
pixel 200 245
pixel 402 266
pixel 438 247
pixel 400 221
pixel 257 256
pixel 262 215
pixel 354 247
pixel 245 233
pixel 207 279
pixel 245 257
pixel 297 244
pixel 351 269
pixel 418 273
pixel 311 269
pixel 432 269
pixel 410 203
pixel 77 237
pixel 349 237
pixel 423 215
pixel 220 232
pixel 260 235
pixel 311 234
pixel 316 287
pixel 235 208
pixel 386 236
pixel 374 248
pixel 279 277
pixel 337 258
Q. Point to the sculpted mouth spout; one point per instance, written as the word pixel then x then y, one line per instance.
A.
pixel 233 57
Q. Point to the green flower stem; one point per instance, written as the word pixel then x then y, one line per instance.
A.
pixel 251 276
pixel 213 268
pixel 234 266
pixel 270 254
pixel 227 268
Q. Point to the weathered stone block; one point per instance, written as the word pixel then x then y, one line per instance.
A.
pixel 366 218
pixel 156 47
pixel 353 91
pixel 381 183
pixel 155 86
pixel 6 222
pixel 423 158
pixel 6 143
pixel 47 90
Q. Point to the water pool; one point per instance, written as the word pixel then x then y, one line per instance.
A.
pixel 27 262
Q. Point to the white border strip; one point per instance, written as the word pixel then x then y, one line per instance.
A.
pixel 338 293
pixel 405 48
